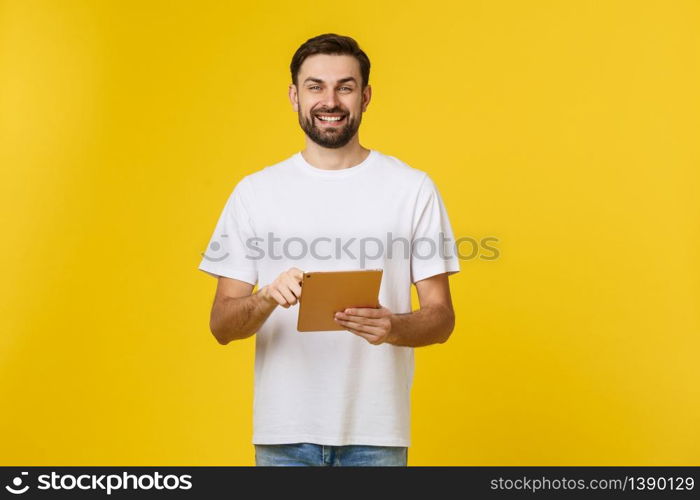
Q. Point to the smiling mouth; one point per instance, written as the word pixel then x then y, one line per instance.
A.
pixel 330 119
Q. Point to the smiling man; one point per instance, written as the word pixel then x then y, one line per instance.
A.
pixel 336 397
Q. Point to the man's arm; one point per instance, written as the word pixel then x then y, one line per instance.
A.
pixel 237 313
pixel 431 324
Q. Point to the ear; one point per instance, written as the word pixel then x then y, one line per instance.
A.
pixel 366 97
pixel 294 97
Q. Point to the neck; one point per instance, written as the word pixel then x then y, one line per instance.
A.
pixel 335 159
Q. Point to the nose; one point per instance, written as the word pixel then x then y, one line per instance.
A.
pixel 330 98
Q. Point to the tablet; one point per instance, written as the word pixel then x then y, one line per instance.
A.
pixel 323 293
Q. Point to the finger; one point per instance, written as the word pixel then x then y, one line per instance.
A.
pixel 288 295
pixel 360 327
pixel 372 339
pixel 296 273
pixel 366 312
pixel 293 286
pixel 279 298
pixel 359 319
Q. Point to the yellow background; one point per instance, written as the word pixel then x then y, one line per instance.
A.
pixel 568 130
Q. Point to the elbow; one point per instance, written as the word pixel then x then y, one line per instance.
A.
pixel 218 333
pixel 449 326
pixel 224 336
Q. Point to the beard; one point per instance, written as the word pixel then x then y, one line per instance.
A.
pixel 330 137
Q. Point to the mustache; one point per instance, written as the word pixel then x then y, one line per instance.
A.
pixel 329 112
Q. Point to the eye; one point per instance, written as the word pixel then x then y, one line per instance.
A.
pixel 314 87
pixel 349 88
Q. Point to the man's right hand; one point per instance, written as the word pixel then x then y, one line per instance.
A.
pixel 286 289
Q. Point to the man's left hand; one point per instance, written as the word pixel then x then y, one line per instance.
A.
pixel 374 325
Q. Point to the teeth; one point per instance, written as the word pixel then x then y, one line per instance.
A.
pixel 329 118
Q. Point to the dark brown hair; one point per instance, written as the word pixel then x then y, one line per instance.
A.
pixel 330 43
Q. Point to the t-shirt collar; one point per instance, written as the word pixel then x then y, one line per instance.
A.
pixel 300 161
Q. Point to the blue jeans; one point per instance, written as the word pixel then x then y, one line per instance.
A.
pixel 300 454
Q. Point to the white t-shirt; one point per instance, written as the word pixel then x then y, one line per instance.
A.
pixel 332 388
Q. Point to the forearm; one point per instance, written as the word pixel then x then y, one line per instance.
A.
pixel 426 326
pixel 235 318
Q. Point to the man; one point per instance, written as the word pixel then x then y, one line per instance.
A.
pixel 336 397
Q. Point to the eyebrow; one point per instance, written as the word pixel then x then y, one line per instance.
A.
pixel 342 80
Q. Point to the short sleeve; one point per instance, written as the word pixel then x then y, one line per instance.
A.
pixel 231 250
pixel 433 244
